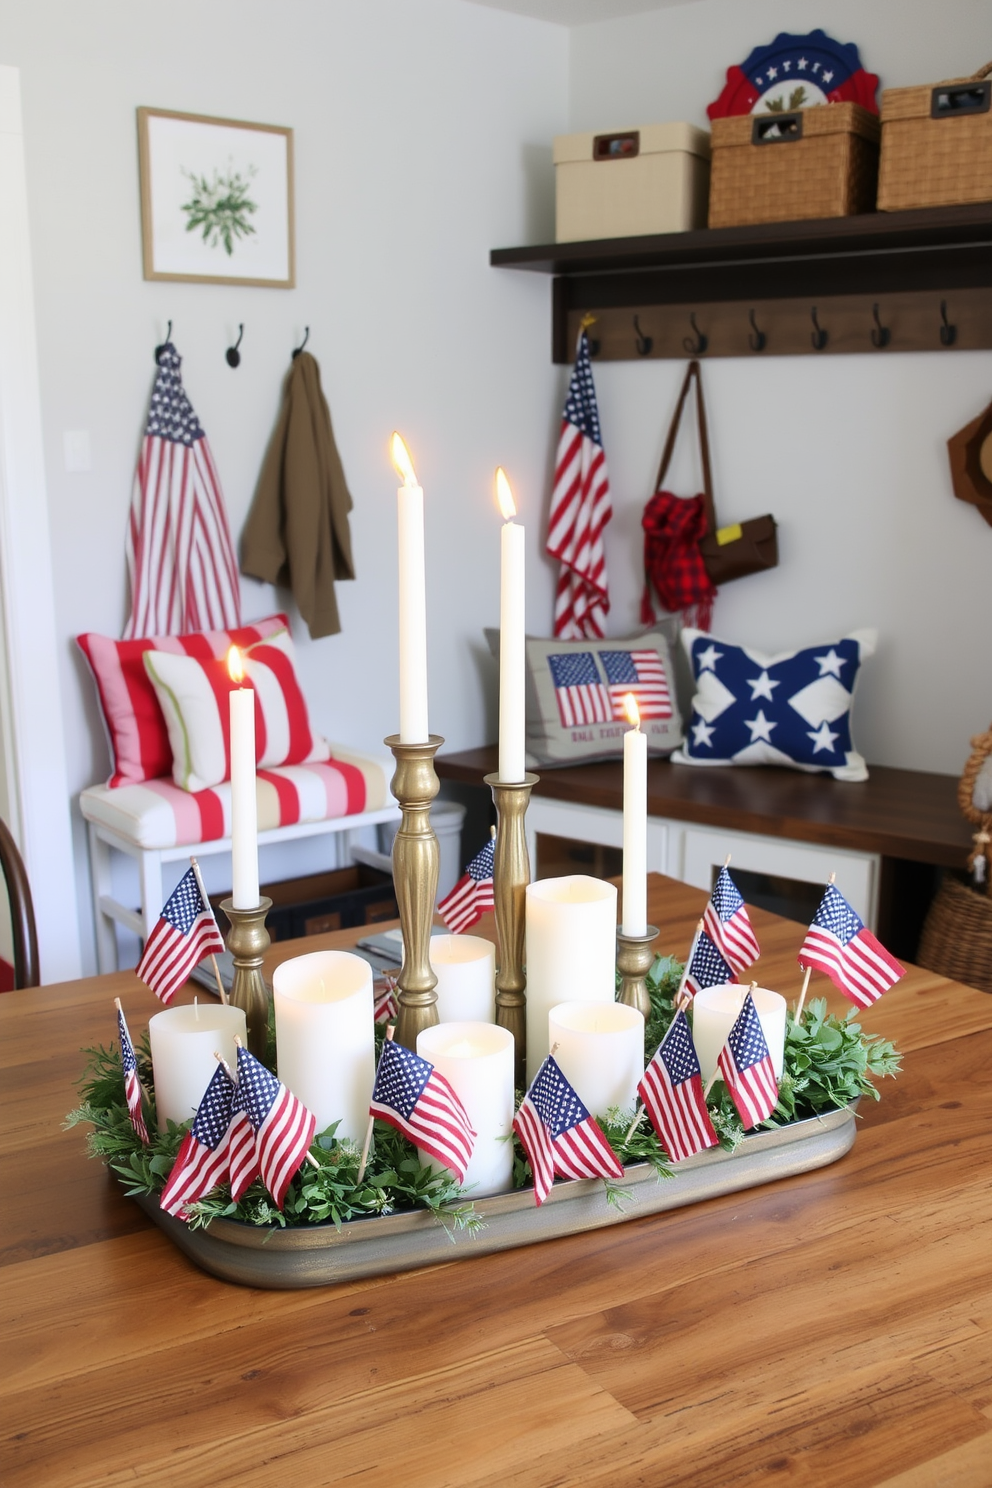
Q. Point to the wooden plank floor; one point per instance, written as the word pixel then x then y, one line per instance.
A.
pixel 834 1329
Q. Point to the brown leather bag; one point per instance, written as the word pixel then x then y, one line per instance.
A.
pixel 728 552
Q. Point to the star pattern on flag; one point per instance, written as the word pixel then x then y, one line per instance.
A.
pixel 707 968
pixel 804 713
pixel 170 413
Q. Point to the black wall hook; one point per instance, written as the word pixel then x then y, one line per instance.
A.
pixel 159 349
pixel 881 335
pixel 819 338
pixel 697 347
pixel 948 332
pixel 644 343
pixel 232 353
pixel 758 340
pixel 306 338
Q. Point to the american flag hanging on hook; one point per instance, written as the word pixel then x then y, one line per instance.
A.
pixel 180 557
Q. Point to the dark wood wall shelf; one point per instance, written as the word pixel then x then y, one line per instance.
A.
pixel 907 264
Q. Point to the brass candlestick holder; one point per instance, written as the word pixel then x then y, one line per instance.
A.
pixel 248 941
pixel 634 960
pixel 416 861
pixel 511 875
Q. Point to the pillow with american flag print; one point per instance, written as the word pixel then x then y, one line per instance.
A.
pixel 576 691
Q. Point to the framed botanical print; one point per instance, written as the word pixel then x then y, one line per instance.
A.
pixel 216 199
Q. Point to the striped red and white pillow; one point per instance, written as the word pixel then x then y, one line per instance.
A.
pixel 136 728
pixel 194 696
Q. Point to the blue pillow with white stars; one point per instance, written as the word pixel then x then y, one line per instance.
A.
pixel 791 709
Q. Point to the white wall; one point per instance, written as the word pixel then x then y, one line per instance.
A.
pixel 422 135
pixel 848 452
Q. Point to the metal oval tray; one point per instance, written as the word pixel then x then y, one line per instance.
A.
pixel 318 1255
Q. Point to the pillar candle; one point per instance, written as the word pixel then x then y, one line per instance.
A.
pixel 512 765
pixel 412 595
pixel 477 1061
pixel 600 1052
pixel 715 1011
pixel 635 825
pixel 184 1043
pixel 465 966
pixel 325 1044
pixel 244 819
pixel 571 951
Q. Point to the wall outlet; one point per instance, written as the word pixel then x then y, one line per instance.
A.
pixel 76 449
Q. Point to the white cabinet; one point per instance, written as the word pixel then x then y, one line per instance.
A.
pixel 691 853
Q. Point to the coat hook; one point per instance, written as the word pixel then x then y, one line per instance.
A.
pixel 306 338
pixel 881 335
pixel 644 343
pixel 758 341
pixel 584 324
pixel 232 353
pixel 697 347
pixel 819 338
pixel 948 332
pixel 159 349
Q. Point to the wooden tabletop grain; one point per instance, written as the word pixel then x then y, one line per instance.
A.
pixel 834 1329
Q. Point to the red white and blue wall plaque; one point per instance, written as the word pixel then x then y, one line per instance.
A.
pixel 796 72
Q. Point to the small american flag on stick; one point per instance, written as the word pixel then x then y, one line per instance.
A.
pixel 746 1067
pixel 580 510
pixel 204 1158
pixel 282 1125
pixel 411 1095
pixel 672 1091
pixel 559 1135
pixel 728 925
pixel 707 968
pixel 473 893
pixel 185 935
pixel 838 944
pixel 132 1085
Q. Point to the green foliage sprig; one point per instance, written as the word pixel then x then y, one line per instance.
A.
pixel 220 207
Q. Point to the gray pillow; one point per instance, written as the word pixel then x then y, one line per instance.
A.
pixel 575 692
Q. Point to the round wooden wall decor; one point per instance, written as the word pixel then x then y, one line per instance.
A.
pixel 970 452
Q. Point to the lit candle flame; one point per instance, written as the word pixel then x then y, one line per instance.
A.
pixel 235 666
pixel 504 495
pixel 631 709
pixel 402 461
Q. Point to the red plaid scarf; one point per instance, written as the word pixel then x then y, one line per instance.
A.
pixel 673 527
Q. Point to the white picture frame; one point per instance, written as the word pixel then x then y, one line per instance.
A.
pixel 216 200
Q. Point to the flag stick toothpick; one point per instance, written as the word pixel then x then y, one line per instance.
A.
pixel 368 1130
pixel 711 1082
pixel 802 995
pixel 213 959
pixel 680 994
pixel 638 1118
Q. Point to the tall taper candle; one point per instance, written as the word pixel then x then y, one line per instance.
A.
pixel 244 812
pixel 635 824
pixel 412 591
pixel 511 638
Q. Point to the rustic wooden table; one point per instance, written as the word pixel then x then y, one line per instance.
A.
pixel 833 1329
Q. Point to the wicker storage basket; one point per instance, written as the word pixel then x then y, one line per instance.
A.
pixel 936 144
pixel 816 162
pixel 957 935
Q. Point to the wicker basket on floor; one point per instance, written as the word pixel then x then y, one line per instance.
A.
pixel 957 934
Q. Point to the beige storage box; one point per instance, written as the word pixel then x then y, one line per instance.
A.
pixel 936 144
pixel 784 167
pixel 630 182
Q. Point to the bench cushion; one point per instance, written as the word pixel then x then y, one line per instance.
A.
pixel 157 814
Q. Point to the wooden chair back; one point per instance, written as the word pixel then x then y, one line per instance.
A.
pixel 24 930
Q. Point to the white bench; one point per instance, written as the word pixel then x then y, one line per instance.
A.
pixel 155 825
